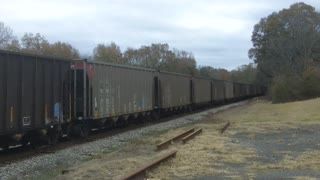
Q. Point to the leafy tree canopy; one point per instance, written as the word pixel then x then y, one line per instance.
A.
pixel 287 41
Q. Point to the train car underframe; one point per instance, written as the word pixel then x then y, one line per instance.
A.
pixel 42 135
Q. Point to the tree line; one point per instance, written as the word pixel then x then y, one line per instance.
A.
pixel 155 56
pixel 286 49
pixel 162 58
pixel 35 44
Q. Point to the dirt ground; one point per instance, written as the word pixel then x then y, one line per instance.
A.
pixel 264 141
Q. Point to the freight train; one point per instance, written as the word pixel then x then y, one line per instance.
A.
pixel 50 97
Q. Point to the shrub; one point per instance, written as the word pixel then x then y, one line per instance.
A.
pixel 285 88
pixel 291 87
pixel 311 83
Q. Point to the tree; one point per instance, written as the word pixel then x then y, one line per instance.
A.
pixel 63 50
pixel 38 44
pixel 216 73
pixel 160 57
pixel 207 71
pixel 108 53
pixel 245 74
pixel 13 46
pixel 7 39
pixel 286 49
pixel 155 56
pixel 186 63
pixel 35 44
pixel 131 56
pixel 287 41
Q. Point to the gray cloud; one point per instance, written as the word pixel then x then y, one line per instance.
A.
pixel 218 33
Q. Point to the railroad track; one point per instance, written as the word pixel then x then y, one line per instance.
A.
pixel 140 172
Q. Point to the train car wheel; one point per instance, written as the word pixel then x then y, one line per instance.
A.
pixel 84 131
pixel 109 124
pixel 53 139
pixel 53 135
pixel 155 116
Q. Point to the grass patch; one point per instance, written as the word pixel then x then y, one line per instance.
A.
pixel 263 116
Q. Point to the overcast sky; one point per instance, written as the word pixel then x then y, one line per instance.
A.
pixel 217 32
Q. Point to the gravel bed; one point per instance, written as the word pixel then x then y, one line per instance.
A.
pixel 40 165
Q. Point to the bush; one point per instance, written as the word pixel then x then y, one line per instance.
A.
pixel 311 83
pixel 286 88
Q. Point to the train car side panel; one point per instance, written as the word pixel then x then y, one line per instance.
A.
pixel 27 87
pixel 39 91
pixel 217 91
pixel 202 90
pixel 175 90
pixel 3 93
pixel 229 93
pixel 118 90
pixel 237 90
pixel 14 91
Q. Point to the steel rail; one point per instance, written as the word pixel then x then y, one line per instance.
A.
pixel 140 171
pixel 165 144
pixel 191 136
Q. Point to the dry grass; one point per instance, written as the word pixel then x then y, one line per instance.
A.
pixel 113 165
pixel 263 116
pixel 210 151
pixel 205 155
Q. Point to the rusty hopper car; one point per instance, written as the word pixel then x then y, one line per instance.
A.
pixel 217 91
pixel 33 90
pixel 201 91
pixel 174 90
pixel 110 93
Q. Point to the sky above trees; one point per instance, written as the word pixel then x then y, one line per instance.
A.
pixel 217 32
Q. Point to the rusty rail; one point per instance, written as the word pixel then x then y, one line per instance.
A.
pixel 190 136
pixel 141 170
pixel 166 143
pixel 225 128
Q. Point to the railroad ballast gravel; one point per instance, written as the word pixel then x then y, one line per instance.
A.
pixel 38 165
